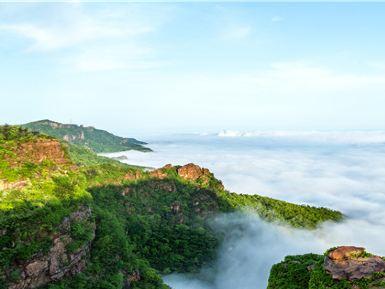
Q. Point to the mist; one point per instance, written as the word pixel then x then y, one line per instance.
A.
pixel 339 170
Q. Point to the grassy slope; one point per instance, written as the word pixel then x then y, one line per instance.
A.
pixel 96 139
pixel 145 225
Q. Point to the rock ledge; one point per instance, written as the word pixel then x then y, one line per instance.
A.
pixel 352 263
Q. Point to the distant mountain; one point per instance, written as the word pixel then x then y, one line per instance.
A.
pixel 100 141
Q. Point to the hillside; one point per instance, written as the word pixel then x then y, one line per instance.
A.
pixel 344 267
pixel 72 219
pixel 100 141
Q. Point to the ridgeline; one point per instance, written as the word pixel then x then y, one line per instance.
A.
pixel 99 141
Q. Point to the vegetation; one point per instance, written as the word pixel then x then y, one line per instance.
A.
pixel 279 211
pixel 145 226
pixel 99 141
pixel 307 272
pixel 293 272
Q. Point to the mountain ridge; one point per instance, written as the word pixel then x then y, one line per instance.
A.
pixel 100 141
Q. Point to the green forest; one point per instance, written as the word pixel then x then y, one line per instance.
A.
pixel 138 229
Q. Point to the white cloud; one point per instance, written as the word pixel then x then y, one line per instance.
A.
pixel 50 38
pixel 344 174
pixel 236 32
pixel 277 19
pixel 107 57
pixel 94 40
pixel 75 27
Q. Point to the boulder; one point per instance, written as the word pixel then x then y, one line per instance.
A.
pixel 351 263
pixel 345 252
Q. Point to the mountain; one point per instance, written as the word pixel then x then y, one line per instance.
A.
pixel 100 141
pixel 344 267
pixel 72 219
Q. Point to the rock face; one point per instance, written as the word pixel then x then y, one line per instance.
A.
pixel 350 263
pixel 189 172
pixel 133 175
pixel 38 151
pixel 159 173
pixel 192 172
pixel 59 261
pixel 74 137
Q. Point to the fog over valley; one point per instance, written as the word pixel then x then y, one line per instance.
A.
pixel 342 171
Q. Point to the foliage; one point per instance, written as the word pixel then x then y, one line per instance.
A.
pixel 170 239
pixel 301 216
pixel 293 272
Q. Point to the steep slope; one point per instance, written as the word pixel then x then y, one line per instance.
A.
pixel 72 219
pixel 344 267
pixel 46 224
pixel 97 140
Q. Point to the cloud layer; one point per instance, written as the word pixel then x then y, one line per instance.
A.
pixel 342 171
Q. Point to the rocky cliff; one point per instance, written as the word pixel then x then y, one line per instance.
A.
pixel 61 258
pixel 353 263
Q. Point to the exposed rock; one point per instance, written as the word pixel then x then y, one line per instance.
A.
pixel 4 185
pixel 133 175
pixel 158 174
pixel 346 252
pixel 194 172
pixel 191 172
pixel 161 173
pixel 74 137
pixel 58 262
pixel 35 268
pixel 38 151
pixel 350 263
pixel 133 277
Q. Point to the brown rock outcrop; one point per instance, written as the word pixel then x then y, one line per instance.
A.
pixel 351 263
pixel 133 175
pixel 345 252
pixel 192 172
pixel 58 262
pixel 38 151
pixel 158 174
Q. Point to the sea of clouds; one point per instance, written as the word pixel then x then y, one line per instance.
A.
pixel 340 170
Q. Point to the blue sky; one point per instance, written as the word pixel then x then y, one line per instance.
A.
pixel 183 67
